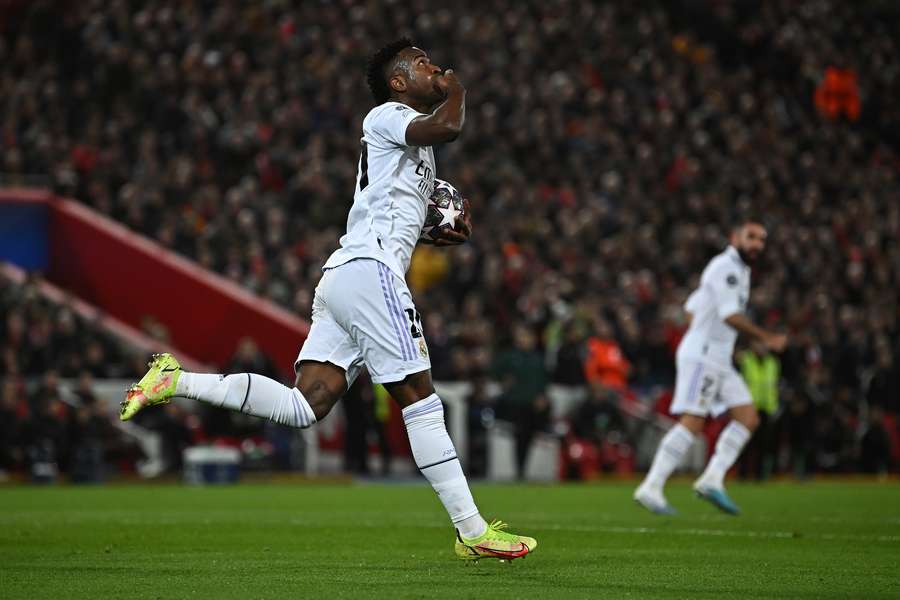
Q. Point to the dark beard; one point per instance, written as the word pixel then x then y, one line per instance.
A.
pixel 746 258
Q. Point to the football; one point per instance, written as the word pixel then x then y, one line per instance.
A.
pixel 444 210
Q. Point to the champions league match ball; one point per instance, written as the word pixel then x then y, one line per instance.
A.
pixel 444 210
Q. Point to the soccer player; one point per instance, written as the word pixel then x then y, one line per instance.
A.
pixel 706 382
pixel 363 312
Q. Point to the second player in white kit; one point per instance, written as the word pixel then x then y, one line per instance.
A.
pixel 706 382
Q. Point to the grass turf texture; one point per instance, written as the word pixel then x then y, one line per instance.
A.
pixel 815 540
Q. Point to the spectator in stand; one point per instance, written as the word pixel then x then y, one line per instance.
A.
pixel 84 389
pixel 761 370
pixel 599 421
pixel 520 371
pixel 835 453
pixel 43 439
pixel 605 363
pixel 571 356
pixel 360 409
pixel 875 445
pixel 248 358
pixel 481 418
pixel 47 393
pixel 654 359
pixel 90 439
pixel 884 386
pixel 838 94
pixel 10 426
pixel 172 425
pixel 798 424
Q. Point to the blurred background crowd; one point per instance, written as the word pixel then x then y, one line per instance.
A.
pixel 608 149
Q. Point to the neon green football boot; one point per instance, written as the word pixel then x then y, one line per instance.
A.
pixel 495 542
pixel 156 387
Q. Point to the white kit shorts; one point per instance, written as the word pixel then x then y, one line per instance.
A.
pixel 363 314
pixel 703 388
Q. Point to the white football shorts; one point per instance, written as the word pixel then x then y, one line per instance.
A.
pixel 363 314
pixel 703 388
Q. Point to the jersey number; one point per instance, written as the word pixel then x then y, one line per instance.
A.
pixel 708 391
pixel 415 322
pixel 364 167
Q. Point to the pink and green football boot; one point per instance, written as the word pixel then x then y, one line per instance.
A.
pixel 495 542
pixel 156 387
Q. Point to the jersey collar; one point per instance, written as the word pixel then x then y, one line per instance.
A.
pixel 736 256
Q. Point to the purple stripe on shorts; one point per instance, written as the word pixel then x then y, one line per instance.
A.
pixel 390 275
pixel 395 321
pixel 410 352
pixel 389 304
pixel 694 380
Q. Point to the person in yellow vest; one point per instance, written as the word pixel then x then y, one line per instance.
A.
pixel 761 370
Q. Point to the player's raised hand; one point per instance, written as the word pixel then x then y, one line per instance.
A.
pixel 776 342
pixel 448 83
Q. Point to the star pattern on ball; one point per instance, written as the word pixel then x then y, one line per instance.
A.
pixel 449 215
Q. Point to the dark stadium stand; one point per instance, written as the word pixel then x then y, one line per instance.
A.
pixel 607 149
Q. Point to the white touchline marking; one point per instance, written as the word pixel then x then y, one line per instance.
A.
pixel 728 533
pixel 693 531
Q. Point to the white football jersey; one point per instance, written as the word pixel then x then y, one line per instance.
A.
pixel 724 291
pixel 393 185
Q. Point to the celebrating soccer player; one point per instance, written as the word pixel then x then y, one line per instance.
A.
pixel 363 312
pixel 706 382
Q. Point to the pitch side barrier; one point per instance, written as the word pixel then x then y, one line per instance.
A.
pixel 134 278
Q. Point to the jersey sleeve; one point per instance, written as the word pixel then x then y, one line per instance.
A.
pixel 388 122
pixel 725 285
pixel 692 304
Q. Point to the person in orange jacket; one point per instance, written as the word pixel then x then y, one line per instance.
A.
pixel 605 362
pixel 838 94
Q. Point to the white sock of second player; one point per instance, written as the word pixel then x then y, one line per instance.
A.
pixel 669 455
pixel 728 447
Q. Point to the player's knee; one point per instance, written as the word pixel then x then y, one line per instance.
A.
pixel 320 397
pixel 752 421
pixel 322 385
pixel 749 419
pixel 413 388
pixel 692 423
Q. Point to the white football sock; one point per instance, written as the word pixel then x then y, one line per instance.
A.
pixel 249 393
pixel 669 455
pixel 728 447
pixel 435 456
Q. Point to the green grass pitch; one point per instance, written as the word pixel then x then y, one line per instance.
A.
pixel 813 540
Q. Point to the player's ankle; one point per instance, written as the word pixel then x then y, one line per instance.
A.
pixel 471 527
pixel 709 482
pixel 650 487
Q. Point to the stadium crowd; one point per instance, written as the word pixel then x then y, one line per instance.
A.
pixel 41 424
pixel 607 151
